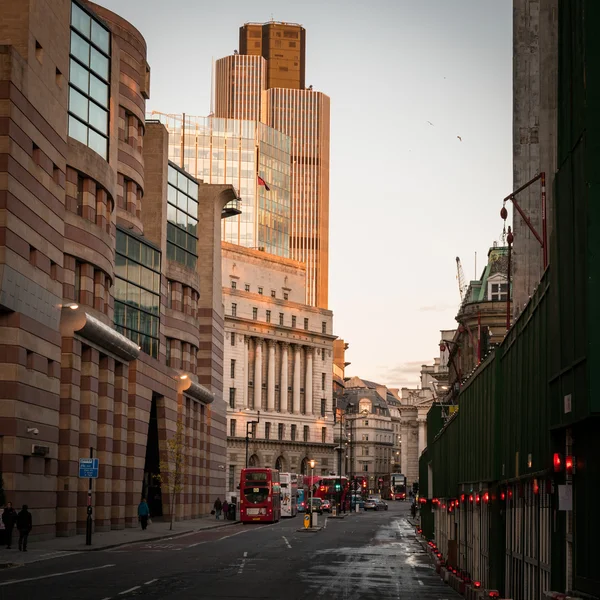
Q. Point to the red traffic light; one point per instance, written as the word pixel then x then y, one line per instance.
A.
pixel 494 594
pixel 477 584
pixel 486 497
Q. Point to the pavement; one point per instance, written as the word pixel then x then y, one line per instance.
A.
pixel 56 547
pixel 366 556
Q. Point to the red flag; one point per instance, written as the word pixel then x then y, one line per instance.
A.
pixel 261 181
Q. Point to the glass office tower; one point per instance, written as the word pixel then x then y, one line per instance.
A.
pixel 239 152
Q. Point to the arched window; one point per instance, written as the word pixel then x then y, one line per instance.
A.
pixel 304 466
pixel 253 462
pixel 279 463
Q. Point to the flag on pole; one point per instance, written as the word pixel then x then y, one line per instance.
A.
pixel 261 181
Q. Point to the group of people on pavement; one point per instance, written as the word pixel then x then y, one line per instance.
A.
pixel 22 520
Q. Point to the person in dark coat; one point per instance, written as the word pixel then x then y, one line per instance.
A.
pixel 225 507
pixel 143 513
pixel 218 507
pixel 24 525
pixel 9 518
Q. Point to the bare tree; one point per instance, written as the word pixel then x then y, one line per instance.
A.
pixel 172 475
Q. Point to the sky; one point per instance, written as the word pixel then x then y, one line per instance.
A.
pixel 406 78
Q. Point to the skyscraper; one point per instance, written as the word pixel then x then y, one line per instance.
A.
pixel 303 114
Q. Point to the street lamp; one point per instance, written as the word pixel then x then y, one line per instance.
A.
pixel 248 424
pixel 312 475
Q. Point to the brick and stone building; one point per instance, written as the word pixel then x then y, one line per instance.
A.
pixel 111 324
pixel 278 367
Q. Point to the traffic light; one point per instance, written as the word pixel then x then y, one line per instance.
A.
pixel 338 487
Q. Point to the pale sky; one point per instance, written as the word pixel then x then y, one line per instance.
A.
pixel 406 197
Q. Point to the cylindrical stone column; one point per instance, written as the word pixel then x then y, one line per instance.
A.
pixel 283 386
pixel 245 395
pixel 297 380
pixel 308 386
pixel 271 377
pixel 257 373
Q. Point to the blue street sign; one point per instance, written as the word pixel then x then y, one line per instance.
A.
pixel 88 468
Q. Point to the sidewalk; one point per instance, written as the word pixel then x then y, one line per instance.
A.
pixel 61 546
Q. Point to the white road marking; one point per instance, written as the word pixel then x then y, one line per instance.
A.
pixel 420 582
pixel 151 581
pixel 242 564
pixel 325 524
pixel 196 544
pixel 286 541
pixel 13 581
pixel 137 587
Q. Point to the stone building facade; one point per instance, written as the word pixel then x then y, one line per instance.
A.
pixel 106 342
pixel 278 367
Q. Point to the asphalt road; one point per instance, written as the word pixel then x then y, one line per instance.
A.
pixel 365 556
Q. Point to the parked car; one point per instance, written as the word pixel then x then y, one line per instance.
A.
pixel 326 506
pixel 316 504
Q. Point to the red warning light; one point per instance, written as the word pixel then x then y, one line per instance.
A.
pixel 477 584
pixel 471 498
pixel 569 461
pixel 486 497
pixel 557 462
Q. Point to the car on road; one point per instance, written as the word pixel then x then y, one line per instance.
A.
pixel 357 500
pixel 370 503
pixel 316 504
pixel 326 506
pixel 381 504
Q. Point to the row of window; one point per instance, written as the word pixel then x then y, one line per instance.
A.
pixel 260 290
pixel 281 431
pixel 281 318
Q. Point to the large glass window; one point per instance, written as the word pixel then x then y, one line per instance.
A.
pixel 89 81
pixel 137 292
pixel 182 217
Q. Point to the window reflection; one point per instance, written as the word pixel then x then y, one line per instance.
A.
pixel 137 292
pixel 182 211
pixel 90 74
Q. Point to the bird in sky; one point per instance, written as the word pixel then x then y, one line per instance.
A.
pixel 431 123
pixel 459 138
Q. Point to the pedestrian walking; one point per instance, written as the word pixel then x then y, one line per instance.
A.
pixel 218 506
pixel 24 525
pixel 9 518
pixel 143 513
pixel 225 509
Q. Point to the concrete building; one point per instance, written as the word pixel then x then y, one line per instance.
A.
pixel 237 152
pixel 278 367
pixel 535 97
pixel 94 301
pixel 287 105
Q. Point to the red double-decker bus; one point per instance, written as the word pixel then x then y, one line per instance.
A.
pixel 260 496
pixel 329 487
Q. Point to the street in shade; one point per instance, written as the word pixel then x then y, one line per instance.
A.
pixel 364 556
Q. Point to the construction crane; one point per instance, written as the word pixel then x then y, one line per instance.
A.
pixel 462 285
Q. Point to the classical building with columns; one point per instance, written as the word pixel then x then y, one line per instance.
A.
pixel 278 365
pixel 111 324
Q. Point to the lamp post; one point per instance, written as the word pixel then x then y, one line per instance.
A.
pixel 312 474
pixel 248 424
pixel 340 466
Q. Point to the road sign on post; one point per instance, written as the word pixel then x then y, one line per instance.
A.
pixel 88 468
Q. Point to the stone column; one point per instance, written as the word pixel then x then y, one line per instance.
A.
pixel 271 377
pixel 283 386
pixel 422 435
pixel 404 446
pixel 257 373
pixel 297 379
pixel 308 386
pixel 245 396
